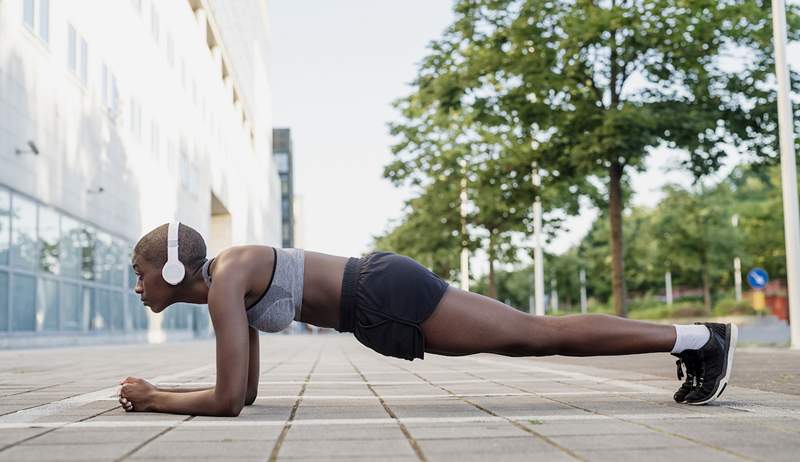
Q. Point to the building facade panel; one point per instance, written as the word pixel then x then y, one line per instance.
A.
pixel 116 117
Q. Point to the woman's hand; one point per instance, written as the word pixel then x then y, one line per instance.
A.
pixel 136 394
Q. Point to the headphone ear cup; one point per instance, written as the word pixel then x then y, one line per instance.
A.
pixel 173 272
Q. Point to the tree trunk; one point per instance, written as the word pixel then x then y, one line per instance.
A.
pixel 706 292
pixel 492 290
pixel 615 218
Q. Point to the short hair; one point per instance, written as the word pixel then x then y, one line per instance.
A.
pixel 152 247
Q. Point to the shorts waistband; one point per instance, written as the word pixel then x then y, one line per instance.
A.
pixel 348 300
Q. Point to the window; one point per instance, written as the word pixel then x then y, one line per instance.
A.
pixel 85 63
pixel 72 318
pixel 47 301
pixel 23 305
pixel 282 161
pixel 77 50
pixel 154 25
pixel 109 91
pixel 3 301
pixel 5 226
pixel 48 240
pixel 284 187
pixel 155 141
pixel 170 51
pixel 70 251
pixel 72 49
pixel 44 20
pixel 27 13
pixel 39 23
pixel 136 119
pixel 23 233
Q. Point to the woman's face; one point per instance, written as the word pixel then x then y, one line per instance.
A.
pixel 150 286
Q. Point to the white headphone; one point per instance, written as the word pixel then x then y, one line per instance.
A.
pixel 173 270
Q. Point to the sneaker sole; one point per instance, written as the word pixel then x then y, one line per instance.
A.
pixel 734 335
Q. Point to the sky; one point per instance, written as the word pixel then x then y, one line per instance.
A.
pixel 336 66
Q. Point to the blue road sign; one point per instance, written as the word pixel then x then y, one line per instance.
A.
pixel 757 278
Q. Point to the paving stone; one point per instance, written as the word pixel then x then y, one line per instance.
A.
pixel 67 452
pixel 364 447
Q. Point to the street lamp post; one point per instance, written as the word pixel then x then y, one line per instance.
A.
pixel 538 263
pixel 464 250
pixel 791 220
pixel 737 265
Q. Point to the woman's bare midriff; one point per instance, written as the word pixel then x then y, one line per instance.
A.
pixel 322 288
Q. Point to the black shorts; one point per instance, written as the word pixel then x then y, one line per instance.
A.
pixel 385 298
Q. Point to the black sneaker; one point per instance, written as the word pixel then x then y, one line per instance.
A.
pixel 691 361
pixel 715 360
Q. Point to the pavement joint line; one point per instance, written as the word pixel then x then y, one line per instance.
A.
pixel 645 425
pixel 575 375
pixel 48 409
pixel 454 396
pixel 288 424
pixel 411 440
pixel 386 383
pixel 148 440
pixel 389 421
pixel 494 414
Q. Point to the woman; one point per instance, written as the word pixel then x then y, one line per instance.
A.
pixel 391 304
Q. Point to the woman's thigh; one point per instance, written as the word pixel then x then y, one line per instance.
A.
pixel 465 323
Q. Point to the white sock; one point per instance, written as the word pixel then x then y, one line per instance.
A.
pixel 690 337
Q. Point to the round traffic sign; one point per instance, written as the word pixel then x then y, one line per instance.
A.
pixel 757 278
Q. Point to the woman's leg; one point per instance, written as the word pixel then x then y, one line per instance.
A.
pixel 466 323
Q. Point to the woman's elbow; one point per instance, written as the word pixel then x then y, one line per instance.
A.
pixel 231 407
pixel 250 398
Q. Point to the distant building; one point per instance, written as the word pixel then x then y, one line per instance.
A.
pixel 282 152
pixel 299 222
pixel 117 116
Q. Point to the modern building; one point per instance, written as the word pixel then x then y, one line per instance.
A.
pixel 282 151
pixel 117 116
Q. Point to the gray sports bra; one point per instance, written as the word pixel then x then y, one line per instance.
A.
pixel 283 299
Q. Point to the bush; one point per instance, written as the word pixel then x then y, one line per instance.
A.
pixel 730 307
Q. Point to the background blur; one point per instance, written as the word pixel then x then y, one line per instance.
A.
pixel 348 126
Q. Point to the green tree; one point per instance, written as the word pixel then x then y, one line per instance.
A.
pixel 586 87
pixel 695 236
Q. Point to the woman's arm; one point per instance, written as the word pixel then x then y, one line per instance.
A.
pixel 227 398
pixel 252 370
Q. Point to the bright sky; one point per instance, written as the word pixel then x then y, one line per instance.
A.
pixel 336 66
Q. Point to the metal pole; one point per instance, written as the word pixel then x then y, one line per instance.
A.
pixel 668 284
pixel 737 264
pixel 538 263
pixel 737 277
pixel 464 250
pixel 791 218
pixel 554 296
pixel 584 305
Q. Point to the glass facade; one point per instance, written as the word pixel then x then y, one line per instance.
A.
pixel 60 274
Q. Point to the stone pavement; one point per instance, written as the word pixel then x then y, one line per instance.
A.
pixel 328 397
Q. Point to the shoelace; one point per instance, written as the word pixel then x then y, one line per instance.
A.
pixel 691 377
pixel 695 378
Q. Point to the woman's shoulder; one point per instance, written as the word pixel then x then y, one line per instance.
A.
pixel 238 262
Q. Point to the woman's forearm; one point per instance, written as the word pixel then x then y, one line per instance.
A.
pixel 183 390
pixel 203 402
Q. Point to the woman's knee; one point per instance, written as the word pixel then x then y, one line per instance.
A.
pixel 534 336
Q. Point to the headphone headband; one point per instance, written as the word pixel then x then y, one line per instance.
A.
pixel 173 270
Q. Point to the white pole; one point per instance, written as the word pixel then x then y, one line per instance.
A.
pixel 737 277
pixel 668 284
pixel 791 220
pixel 584 305
pixel 553 296
pixel 737 265
pixel 464 250
pixel 538 262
